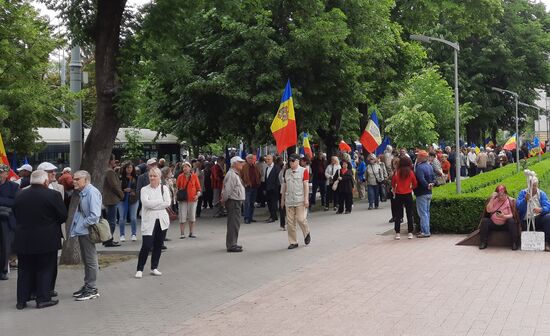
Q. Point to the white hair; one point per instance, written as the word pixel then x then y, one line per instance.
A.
pixel 39 177
pixel 82 173
pixel 534 180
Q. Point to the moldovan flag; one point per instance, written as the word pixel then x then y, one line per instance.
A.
pixel 307 147
pixel 4 158
pixel 511 143
pixel 371 139
pixel 283 126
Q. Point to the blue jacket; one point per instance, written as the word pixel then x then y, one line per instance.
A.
pixel 361 171
pixel 522 203
pixel 424 176
pixel 89 211
pixel 8 191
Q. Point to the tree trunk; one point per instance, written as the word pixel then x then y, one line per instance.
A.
pixel 101 139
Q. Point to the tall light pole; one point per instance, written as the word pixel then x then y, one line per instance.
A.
pixel 515 95
pixel 75 154
pixel 456 49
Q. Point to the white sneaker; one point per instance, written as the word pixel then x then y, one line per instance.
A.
pixel 139 275
pixel 134 238
pixel 397 236
pixel 156 272
pixel 122 238
pixel 410 236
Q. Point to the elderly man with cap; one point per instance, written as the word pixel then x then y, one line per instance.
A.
pixel 233 195
pixel 25 174
pixel 8 191
pixel 423 192
pixel 295 198
pixel 51 170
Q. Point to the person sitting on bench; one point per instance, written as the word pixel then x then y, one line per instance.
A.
pixel 540 207
pixel 500 214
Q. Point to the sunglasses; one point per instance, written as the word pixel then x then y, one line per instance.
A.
pixel 292 160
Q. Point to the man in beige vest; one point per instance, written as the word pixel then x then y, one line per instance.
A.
pixel 296 199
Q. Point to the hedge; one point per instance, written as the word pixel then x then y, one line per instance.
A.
pixel 460 213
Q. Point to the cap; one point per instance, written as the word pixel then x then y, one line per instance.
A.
pixel 26 167
pixel 67 169
pixel 4 168
pixel 294 157
pixel 236 159
pixel 151 161
pixel 46 166
pixel 186 163
pixel 422 153
pixel 201 157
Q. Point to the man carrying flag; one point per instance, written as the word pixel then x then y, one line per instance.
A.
pixel 371 139
pixel 283 126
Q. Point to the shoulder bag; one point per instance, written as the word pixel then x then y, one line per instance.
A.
pixel 171 213
pixel 99 232
pixel 336 182
pixel 181 195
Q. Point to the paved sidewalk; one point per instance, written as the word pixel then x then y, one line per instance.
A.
pixel 198 275
pixel 387 287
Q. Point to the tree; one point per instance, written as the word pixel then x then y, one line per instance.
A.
pixel 96 24
pixel 28 97
pixel 412 127
pixel 133 148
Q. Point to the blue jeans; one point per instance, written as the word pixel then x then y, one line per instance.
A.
pixel 373 195
pixel 111 216
pixel 250 198
pixel 423 209
pixel 123 209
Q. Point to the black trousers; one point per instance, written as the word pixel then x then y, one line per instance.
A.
pixel 34 274
pixel 282 213
pixel 6 241
pixel 472 170
pixel 345 198
pixel 200 203
pixel 208 198
pixel 400 201
pixel 260 196
pixel 487 226
pixel 332 196
pixel 272 197
pixel 155 242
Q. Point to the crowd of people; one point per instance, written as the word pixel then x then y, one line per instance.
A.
pixel 161 192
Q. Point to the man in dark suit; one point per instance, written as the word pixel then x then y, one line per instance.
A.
pixel 37 239
pixel 272 188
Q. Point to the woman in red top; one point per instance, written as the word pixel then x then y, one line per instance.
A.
pixel 187 209
pixel 403 182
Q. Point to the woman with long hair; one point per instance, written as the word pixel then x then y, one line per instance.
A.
pixel 129 204
pixel 403 183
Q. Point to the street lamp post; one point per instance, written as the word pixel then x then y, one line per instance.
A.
pixel 515 95
pixel 456 48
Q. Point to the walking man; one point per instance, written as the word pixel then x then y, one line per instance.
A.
pixel 426 179
pixel 296 199
pixel 233 195
pixel 88 213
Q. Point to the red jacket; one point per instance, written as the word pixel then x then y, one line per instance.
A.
pixel 403 186
pixel 193 187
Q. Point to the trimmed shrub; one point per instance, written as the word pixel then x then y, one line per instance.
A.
pixel 453 213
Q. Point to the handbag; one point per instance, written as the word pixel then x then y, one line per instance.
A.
pixel 100 232
pixel 335 185
pixel 532 240
pixel 181 195
pixel 172 215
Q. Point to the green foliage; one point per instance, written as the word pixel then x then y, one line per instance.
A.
pixel 28 97
pixel 133 149
pixel 460 213
pixel 412 127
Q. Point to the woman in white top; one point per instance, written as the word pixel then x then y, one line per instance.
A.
pixel 155 198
